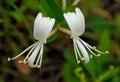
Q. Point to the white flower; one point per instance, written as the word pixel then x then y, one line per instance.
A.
pixel 42 28
pixel 76 23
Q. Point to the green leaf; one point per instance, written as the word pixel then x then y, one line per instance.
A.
pixel 96 62
pixel 71 8
pixel 108 74
pixel 27 79
pixel 116 78
pixel 80 74
pixel 67 73
pixel 52 9
pixel 98 24
pixel 1 20
pixel 93 67
pixel 2 33
pixel 93 3
pixel 70 58
pixel 67 70
pixel 16 15
pixel 53 37
pixel 117 21
pixel 1 79
pixel 32 4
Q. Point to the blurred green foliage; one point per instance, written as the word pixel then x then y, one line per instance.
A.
pixel 16 24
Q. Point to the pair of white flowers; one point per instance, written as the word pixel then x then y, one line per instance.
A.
pixel 43 27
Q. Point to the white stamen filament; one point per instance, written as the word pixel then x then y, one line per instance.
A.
pixel 88 47
pixel 74 45
pixel 93 48
pixel 9 59
pixel 28 56
pixel 41 54
pixel 78 52
pixel 34 55
pixel 83 50
pixel 38 64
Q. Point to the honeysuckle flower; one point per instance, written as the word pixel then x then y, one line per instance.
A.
pixel 42 28
pixel 76 23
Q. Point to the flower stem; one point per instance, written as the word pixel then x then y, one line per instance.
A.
pixel 64 4
pixel 64 30
pixel 75 2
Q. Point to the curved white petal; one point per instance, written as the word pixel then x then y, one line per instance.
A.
pixel 75 22
pixel 70 21
pixel 42 27
pixel 81 23
pixel 83 50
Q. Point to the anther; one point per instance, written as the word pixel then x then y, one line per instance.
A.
pixel 107 52
pixel 9 59
pixel 98 55
pixel 24 61
pixel 82 58
pixel 78 61
pixel 91 56
pixel 34 66
pixel 94 48
pixel 20 61
pixel 38 66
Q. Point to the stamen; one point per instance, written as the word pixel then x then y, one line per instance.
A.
pixel 82 58
pixel 9 59
pixel 107 52
pixel 78 61
pixel 20 61
pixel 34 66
pixel 74 45
pixel 91 56
pixel 38 66
pixel 26 58
pixel 41 54
pixel 78 52
pixel 88 48
pixel 22 52
pixel 94 48
pixel 33 55
pixel 98 55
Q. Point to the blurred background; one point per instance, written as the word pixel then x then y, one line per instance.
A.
pixel 59 65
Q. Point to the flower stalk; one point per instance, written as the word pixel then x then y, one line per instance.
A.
pixel 76 23
pixel 42 29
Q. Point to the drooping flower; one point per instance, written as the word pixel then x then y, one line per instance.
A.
pixel 42 28
pixel 76 23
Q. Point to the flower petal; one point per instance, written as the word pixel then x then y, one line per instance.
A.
pixel 75 22
pixel 81 21
pixel 69 21
pixel 42 27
